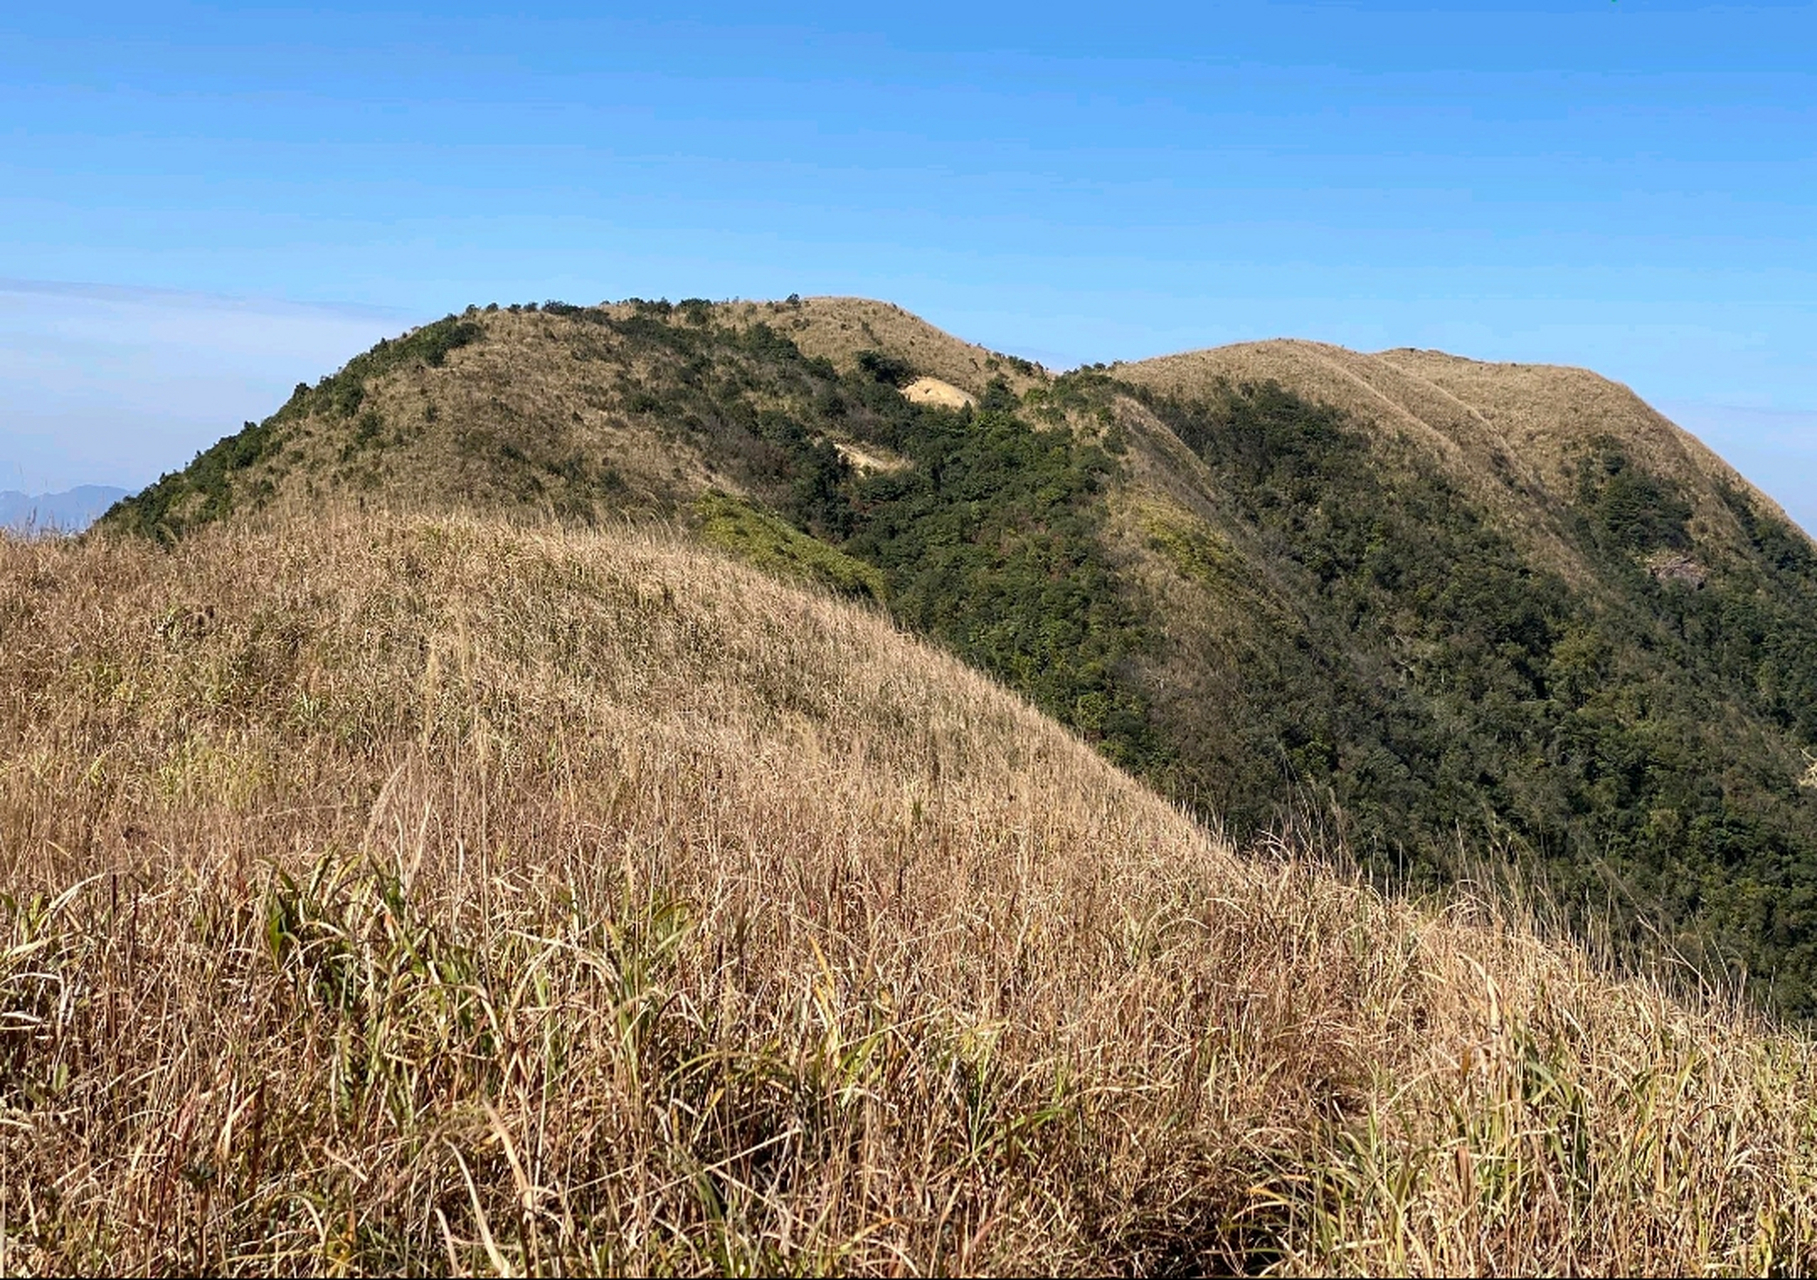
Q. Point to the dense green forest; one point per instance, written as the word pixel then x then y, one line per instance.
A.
pixel 1628 745
pixel 1381 659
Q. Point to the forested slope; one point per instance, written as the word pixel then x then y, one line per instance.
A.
pixel 1461 619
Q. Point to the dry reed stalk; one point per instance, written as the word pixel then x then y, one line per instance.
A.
pixel 394 894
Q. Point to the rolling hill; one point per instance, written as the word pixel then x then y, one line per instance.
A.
pixel 1443 614
pixel 1511 435
pixel 406 893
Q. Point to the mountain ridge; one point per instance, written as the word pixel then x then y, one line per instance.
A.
pixel 69 511
pixel 1420 599
pixel 1481 418
pixel 837 328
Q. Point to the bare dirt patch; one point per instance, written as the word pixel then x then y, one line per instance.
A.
pixel 934 391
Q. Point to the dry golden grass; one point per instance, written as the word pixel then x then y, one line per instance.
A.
pixel 558 394
pixel 549 387
pixel 1543 412
pixel 839 328
pixel 1510 434
pixel 392 894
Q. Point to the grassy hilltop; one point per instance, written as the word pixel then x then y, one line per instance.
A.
pixel 1437 610
pixel 423 893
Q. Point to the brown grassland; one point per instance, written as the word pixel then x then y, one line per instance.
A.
pixel 839 327
pixel 409 894
pixel 1512 435
pixel 1518 423
pixel 549 411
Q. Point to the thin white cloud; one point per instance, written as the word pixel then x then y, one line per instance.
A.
pixel 195 300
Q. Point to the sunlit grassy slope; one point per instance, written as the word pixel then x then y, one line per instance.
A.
pixel 1428 602
pixel 1512 436
pixel 412 894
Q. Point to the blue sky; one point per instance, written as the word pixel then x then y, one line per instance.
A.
pixel 201 205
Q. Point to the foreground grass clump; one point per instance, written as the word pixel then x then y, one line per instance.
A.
pixel 399 895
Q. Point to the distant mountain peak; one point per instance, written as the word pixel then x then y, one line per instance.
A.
pixel 70 511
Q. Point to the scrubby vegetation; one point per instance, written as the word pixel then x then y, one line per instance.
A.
pixel 1630 743
pixel 990 540
pixel 986 539
pixel 218 481
pixel 775 546
pixel 440 895
pixel 1315 625
pixel 200 494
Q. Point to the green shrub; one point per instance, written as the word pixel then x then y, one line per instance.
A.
pixel 773 545
pixel 885 368
pixel 1628 509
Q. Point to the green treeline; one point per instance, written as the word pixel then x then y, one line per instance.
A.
pixel 205 491
pixel 1365 648
pixel 1634 745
